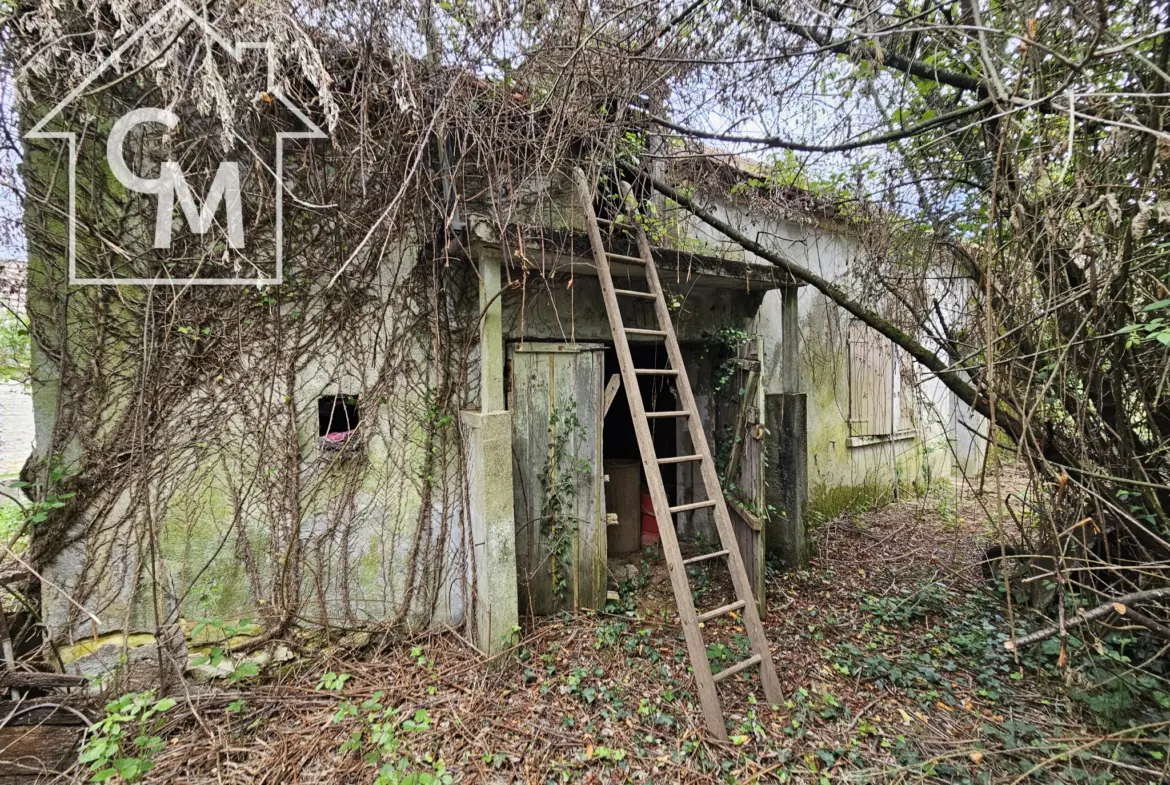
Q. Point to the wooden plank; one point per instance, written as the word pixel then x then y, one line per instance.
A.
pixel 611 391
pixel 692 506
pixel 524 480
pixel 704 557
pixel 723 611
pixel 535 392
pixel 601 544
pixel 751 536
pixel 740 429
pixel 562 394
pixel 705 686
pixel 681 459
pixel 739 666
pixel 623 258
pixel 739 577
pixel 24 679
pixel 580 386
pixel 752 520
pixel 561 389
pixel 547 379
pixel 62 710
pixel 34 753
pixel 871 382
pixel 38 741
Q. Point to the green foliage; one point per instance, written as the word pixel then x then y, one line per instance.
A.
pixel 560 483
pixel 375 733
pixel 38 510
pixel 14 347
pixel 333 682
pixel 1155 329
pixel 724 346
pixel 125 742
pixel 11 519
pixel 1123 679
pixel 220 633
pixel 929 598
pixel 831 503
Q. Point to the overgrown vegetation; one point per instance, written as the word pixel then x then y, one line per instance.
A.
pixel 125 743
pixel 893 666
pixel 828 503
pixel 14 347
pixel 561 482
pixel 1004 168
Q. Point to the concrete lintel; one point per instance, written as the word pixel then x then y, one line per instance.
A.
pixel 492 550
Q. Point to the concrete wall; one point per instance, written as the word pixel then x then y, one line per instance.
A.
pixel 945 436
pixel 376 535
pixel 381 536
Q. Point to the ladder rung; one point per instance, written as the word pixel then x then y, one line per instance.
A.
pixel 681 459
pixel 693 506
pixel 736 668
pixel 653 415
pixel 635 293
pixel 726 609
pixel 704 557
pixel 602 242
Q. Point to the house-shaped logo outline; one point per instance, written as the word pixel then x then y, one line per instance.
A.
pixel 236 51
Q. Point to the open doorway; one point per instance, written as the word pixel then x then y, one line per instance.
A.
pixel 619 439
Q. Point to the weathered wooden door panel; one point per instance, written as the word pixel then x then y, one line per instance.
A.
pixel 749 522
pixel 747 467
pixel 556 400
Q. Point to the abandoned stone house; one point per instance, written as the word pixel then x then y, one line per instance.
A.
pixel 414 491
pixel 816 402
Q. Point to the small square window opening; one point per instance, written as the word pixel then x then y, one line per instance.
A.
pixel 337 420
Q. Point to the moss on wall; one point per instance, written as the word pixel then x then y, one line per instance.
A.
pixel 830 502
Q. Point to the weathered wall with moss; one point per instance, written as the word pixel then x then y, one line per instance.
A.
pixel 944 436
pixel 177 454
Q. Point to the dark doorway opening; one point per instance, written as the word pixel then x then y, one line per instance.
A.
pixel 619 440
pixel 337 414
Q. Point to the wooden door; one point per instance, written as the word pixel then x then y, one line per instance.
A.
pixel 745 499
pixel 555 395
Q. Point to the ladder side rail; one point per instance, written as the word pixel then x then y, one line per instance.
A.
pixel 708 697
pixel 739 579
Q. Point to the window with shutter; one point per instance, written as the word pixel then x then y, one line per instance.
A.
pixel 882 386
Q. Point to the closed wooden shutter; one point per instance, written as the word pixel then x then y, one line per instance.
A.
pixel 871 382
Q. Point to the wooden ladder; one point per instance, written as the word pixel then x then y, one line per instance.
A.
pixel 729 549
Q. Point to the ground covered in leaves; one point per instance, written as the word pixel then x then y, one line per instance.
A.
pixel 889 648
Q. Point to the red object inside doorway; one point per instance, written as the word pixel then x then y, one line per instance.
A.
pixel 649 521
